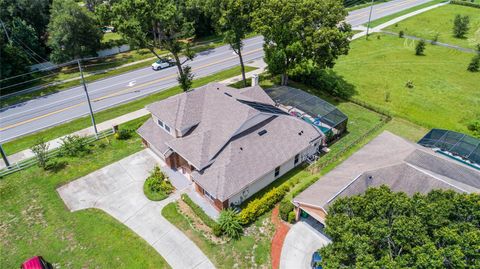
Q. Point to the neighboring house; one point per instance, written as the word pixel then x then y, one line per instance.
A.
pixel 388 160
pixel 231 143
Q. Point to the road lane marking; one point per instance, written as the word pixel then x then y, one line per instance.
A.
pixel 120 92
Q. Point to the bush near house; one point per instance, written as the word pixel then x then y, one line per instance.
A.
pixel 74 145
pixel 285 208
pixel 201 214
pixel 157 187
pixel 229 223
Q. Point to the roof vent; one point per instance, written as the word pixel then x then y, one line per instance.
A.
pixel 241 148
pixel 227 94
pixel 218 88
pixel 262 132
pixel 300 133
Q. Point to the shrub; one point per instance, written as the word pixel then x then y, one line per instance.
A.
pixel 460 25
pixel 435 38
pixel 474 65
pixel 291 216
pixel 123 134
pixel 217 230
pixel 200 213
pixel 259 206
pixel 474 126
pixel 420 47
pixel 156 186
pixel 229 223
pixel 401 34
pixel 409 84
pixel 74 145
pixel 40 149
pixel 284 209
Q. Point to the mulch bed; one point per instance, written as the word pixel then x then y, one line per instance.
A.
pixel 281 230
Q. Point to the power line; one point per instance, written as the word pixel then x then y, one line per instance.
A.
pixel 40 70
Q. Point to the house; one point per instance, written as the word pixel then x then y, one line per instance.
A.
pixel 387 160
pixel 231 143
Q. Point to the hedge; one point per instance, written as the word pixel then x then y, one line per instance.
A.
pixel 199 211
pixel 465 3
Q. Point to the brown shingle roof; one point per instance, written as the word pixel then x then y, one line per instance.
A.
pixel 250 156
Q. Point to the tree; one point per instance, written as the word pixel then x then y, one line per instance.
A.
pixel 420 47
pixel 40 149
pixel 155 24
pixel 460 25
pixel 186 78
pixel 385 229
pixel 74 32
pixel 234 23
pixel 230 224
pixel 474 65
pixel 297 31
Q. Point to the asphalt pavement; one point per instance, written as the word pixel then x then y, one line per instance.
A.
pixel 44 112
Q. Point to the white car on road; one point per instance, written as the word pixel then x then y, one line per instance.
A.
pixel 162 63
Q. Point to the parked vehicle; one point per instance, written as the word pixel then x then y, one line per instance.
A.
pixel 36 262
pixel 316 260
pixel 162 63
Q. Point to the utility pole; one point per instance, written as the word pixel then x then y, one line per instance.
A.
pixel 369 18
pixel 88 98
pixel 4 156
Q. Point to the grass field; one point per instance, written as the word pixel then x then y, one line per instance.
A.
pixel 445 94
pixel 440 21
pixel 34 220
pixel 403 12
pixel 84 122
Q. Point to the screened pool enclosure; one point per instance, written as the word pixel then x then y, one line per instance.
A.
pixel 310 108
pixel 458 145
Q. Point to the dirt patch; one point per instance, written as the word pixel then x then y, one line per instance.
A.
pixel 198 224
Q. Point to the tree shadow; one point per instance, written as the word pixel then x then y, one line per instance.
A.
pixel 326 84
pixel 56 166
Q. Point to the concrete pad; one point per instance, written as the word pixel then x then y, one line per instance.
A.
pixel 139 165
pixel 301 241
pixel 118 190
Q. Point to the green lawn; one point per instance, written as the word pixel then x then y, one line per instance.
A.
pixel 35 221
pixel 403 12
pixel 84 122
pixel 440 21
pixel 445 94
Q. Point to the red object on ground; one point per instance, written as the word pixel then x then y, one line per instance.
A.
pixel 36 262
pixel 281 230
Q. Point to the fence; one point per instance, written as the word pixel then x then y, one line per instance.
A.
pixel 52 153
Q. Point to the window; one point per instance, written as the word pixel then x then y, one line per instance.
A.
pixel 296 158
pixel 160 123
pixel 277 171
pixel 167 128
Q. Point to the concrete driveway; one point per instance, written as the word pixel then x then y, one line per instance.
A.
pixel 118 190
pixel 301 241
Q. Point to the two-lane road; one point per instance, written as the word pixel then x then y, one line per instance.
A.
pixel 63 106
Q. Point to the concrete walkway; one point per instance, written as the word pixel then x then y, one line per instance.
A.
pixel 117 189
pixel 301 241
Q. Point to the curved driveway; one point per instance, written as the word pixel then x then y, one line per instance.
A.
pixel 301 241
pixel 118 190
